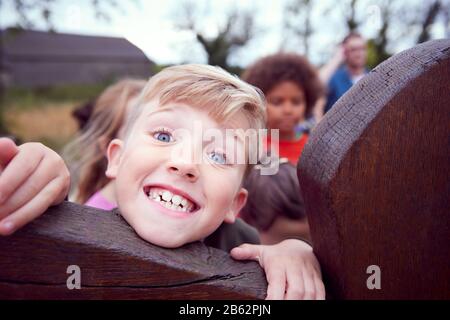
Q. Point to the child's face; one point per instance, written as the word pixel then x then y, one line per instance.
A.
pixel 166 194
pixel 286 105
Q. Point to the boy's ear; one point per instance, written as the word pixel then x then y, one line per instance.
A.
pixel 238 203
pixel 114 155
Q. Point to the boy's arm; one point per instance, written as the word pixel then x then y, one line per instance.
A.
pixel 291 268
pixel 32 178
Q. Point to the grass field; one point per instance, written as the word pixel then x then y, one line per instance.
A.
pixel 44 115
pixel 51 124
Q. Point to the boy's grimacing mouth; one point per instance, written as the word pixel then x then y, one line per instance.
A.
pixel 171 198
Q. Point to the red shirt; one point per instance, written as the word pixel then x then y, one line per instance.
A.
pixel 291 149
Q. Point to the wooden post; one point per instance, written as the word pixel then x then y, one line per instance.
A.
pixel 115 263
pixel 375 176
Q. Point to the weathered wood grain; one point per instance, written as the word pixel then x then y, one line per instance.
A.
pixel 115 263
pixel 375 176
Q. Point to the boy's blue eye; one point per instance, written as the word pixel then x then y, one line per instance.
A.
pixel 218 157
pixel 163 136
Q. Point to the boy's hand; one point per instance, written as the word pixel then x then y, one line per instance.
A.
pixel 292 270
pixel 32 178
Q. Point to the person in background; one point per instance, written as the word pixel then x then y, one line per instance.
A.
pixel 292 87
pixel 353 69
pixel 86 155
pixel 83 113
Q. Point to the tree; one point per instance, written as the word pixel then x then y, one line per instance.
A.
pixel 380 41
pixel 234 33
pixel 297 20
pixel 431 14
pixel 350 16
pixel 396 20
pixel 393 14
pixel 25 9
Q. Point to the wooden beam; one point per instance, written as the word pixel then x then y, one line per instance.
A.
pixel 375 176
pixel 115 263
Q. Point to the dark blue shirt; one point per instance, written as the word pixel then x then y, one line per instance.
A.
pixel 339 84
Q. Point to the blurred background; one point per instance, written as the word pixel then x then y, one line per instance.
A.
pixel 56 55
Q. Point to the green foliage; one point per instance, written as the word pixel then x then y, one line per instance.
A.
pixel 28 10
pixel 374 54
pixel 159 67
pixel 32 98
pixel 235 32
pixel 3 130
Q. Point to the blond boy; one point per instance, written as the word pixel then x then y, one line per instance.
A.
pixel 175 186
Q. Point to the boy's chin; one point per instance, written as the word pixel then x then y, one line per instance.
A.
pixel 167 244
pixel 169 241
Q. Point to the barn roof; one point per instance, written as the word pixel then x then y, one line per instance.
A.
pixel 37 45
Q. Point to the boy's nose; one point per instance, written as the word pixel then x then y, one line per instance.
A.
pixel 187 171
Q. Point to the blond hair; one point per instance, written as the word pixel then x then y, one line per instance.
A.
pixel 86 154
pixel 209 88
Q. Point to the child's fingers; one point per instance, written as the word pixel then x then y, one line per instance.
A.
pixel 8 150
pixel 276 279
pixel 17 171
pixel 30 188
pixel 32 209
pixel 246 252
pixel 318 283
pixel 49 168
pixel 295 285
pixel 320 288
pixel 310 286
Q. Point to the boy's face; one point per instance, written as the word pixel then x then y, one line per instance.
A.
pixel 286 105
pixel 171 187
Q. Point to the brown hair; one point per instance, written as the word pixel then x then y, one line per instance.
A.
pixel 86 154
pixel 270 71
pixel 272 195
pixel 352 34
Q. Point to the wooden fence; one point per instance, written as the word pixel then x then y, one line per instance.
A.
pixel 375 179
pixel 375 176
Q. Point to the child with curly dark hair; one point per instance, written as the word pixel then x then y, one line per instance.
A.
pixel 292 87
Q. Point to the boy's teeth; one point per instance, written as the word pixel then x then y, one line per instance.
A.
pixel 167 195
pixel 176 200
pixel 170 200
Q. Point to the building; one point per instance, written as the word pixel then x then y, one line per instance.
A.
pixel 38 59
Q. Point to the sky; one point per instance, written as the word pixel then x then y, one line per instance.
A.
pixel 151 26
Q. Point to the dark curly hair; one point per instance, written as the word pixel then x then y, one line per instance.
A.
pixel 271 70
